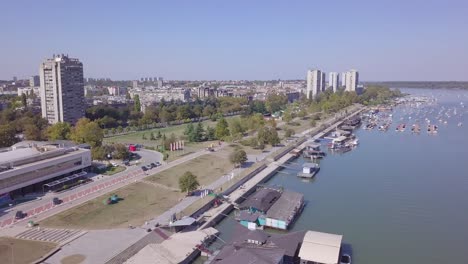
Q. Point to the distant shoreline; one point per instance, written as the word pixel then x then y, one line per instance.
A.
pixel 421 84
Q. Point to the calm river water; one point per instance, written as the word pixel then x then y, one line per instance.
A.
pixel 398 197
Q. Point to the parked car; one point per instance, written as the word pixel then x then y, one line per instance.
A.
pixel 149 167
pixel 345 259
pixel 56 201
pixel 153 165
pixel 158 163
pixel 144 168
pixel 20 215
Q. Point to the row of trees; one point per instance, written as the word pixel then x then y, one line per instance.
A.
pixel 164 111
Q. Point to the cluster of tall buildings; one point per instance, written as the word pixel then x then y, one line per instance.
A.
pixel 316 82
pixel 158 81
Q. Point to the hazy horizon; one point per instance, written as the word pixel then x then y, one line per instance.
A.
pixel 241 40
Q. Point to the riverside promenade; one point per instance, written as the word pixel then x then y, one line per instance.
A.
pixel 216 214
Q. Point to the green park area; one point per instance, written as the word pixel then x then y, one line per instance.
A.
pixel 207 168
pixel 144 137
pixel 138 202
pixel 21 251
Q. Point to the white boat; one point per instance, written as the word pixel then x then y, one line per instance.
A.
pixel 460 124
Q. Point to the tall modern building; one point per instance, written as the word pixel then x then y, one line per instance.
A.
pixel 34 81
pixel 62 89
pixel 323 82
pixel 343 79
pixel 314 83
pixel 352 80
pixel 333 81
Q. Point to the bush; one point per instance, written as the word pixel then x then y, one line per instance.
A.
pixel 294 124
pixel 289 132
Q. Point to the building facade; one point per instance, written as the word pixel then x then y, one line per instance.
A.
pixel 334 81
pixel 34 81
pixel 62 89
pixel 314 83
pixel 343 79
pixel 27 165
pixel 352 80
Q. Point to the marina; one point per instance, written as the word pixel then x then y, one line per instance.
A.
pixel 380 208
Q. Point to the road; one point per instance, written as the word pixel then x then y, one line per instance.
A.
pixel 42 208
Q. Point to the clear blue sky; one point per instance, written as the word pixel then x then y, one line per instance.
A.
pixel 384 40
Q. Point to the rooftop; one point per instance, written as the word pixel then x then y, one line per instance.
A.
pixel 32 151
pixel 310 165
pixel 321 247
pixel 262 199
pixel 286 206
pixel 9 156
pixel 272 249
pixel 248 216
pixel 173 250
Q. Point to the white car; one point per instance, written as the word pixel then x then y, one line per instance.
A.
pixel 345 259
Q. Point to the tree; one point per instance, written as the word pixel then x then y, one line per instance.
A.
pixel 143 136
pixel 236 128
pixel 287 116
pixel 7 136
pixel 24 100
pixel 32 132
pixel 274 102
pixel 222 129
pixel 120 151
pixel 189 130
pixel 98 153
pixel 88 132
pixel 210 133
pixel 268 135
pixel 158 135
pixel 199 133
pixel 188 182
pixel 152 136
pixel 136 104
pixel 238 157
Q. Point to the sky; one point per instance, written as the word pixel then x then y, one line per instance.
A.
pixel 410 40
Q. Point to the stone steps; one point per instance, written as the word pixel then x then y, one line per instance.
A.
pixel 59 236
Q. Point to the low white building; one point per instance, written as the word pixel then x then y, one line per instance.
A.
pixel 29 163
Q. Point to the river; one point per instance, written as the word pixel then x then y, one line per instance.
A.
pixel 398 197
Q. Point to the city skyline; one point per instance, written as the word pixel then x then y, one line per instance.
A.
pixel 386 41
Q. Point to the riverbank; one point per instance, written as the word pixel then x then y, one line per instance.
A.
pixel 212 216
pixel 392 193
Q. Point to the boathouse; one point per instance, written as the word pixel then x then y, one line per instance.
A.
pixel 261 200
pixel 308 170
pixel 285 210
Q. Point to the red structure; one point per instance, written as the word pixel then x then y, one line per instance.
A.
pixel 132 148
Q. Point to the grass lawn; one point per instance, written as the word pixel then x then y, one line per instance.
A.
pixel 195 206
pixel 24 251
pixel 141 201
pixel 113 170
pixel 136 137
pixel 207 168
